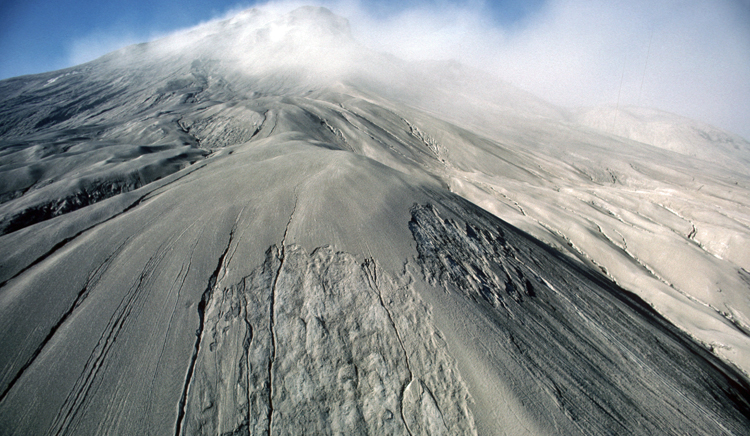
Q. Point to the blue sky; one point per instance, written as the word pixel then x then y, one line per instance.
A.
pixel 689 57
pixel 42 35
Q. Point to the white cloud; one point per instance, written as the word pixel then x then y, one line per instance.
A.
pixel 690 57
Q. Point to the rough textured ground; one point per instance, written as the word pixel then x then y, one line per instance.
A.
pixel 198 238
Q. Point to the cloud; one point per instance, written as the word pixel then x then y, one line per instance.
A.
pixel 687 57
pixel 690 57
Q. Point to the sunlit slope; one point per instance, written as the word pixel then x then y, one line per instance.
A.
pixel 204 240
pixel 673 228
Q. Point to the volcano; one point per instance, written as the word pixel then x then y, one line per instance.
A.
pixel 258 226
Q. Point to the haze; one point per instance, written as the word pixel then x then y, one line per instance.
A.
pixel 689 57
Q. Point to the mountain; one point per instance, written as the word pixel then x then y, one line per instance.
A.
pixel 257 226
pixel 670 132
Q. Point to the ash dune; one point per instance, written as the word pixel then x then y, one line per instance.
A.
pixel 259 227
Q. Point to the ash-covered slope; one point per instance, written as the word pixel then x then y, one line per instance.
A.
pixel 219 233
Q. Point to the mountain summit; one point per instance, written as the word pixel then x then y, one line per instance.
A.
pixel 257 226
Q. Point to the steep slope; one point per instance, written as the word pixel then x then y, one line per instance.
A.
pixel 199 239
pixel 670 227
